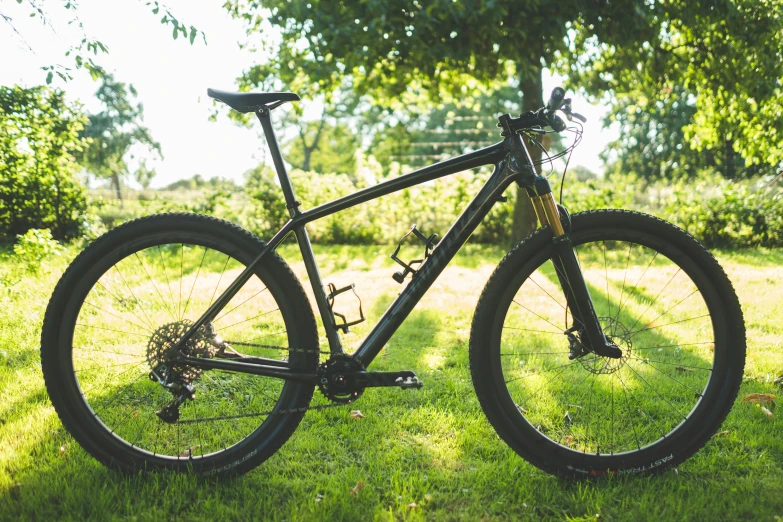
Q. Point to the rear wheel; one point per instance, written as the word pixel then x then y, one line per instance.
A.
pixel 108 337
pixel 661 297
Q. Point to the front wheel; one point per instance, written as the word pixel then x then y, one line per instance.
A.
pixel 660 297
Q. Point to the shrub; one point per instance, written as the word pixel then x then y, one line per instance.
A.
pixel 34 246
pixel 38 134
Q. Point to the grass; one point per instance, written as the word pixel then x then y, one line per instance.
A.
pixel 431 447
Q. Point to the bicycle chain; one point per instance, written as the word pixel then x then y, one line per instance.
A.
pixel 267 413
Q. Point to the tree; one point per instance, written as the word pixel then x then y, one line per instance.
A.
pixel 112 133
pixel 81 50
pixel 324 147
pixel 388 47
pixel 39 133
pixel 144 175
pixel 729 52
pixel 724 56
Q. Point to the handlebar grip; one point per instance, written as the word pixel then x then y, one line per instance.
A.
pixel 556 99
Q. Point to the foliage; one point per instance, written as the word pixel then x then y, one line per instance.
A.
pixel 725 54
pixel 39 133
pixel 197 181
pixel 432 447
pixel 80 48
pixel 113 132
pixel 34 246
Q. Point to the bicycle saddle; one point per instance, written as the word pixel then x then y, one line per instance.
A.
pixel 252 101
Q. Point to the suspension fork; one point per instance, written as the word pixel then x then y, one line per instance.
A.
pixel 569 273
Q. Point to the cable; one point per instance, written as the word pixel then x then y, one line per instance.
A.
pixel 577 139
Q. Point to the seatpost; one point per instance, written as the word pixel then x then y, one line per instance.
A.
pixel 291 203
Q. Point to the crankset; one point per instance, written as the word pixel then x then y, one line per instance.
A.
pixel 343 379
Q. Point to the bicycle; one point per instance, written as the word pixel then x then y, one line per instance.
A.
pixel 605 342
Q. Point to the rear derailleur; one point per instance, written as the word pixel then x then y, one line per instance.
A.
pixel 172 375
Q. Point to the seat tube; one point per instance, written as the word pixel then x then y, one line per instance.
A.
pixel 264 116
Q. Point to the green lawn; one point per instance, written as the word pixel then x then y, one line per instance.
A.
pixel 432 447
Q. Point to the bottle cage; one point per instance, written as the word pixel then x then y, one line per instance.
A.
pixel 429 244
pixel 334 292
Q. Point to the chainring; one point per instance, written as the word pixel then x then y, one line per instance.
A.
pixel 336 379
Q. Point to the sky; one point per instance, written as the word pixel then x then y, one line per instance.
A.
pixel 172 78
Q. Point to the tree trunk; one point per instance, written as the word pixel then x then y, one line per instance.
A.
pixel 525 222
pixel 115 181
pixel 730 170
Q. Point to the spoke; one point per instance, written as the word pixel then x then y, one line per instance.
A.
pixel 678 412
pixel 95 385
pixel 247 343
pixel 110 329
pixel 655 299
pixel 628 408
pixel 134 297
pixel 162 300
pixel 532 312
pixel 168 282
pixel 668 324
pixel 636 285
pixel 547 293
pixel 537 353
pixel 670 309
pixel 606 276
pixel 647 362
pixel 529 330
pixel 181 260
pixel 148 326
pixel 185 310
pixel 676 364
pixel 100 367
pixel 240 304
pixel 250 319
pixel 106 403
pixel 625 276
pixel 670 346
pixel 219 280
pixel 611 432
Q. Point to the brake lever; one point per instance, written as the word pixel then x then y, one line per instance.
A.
pixel 579 117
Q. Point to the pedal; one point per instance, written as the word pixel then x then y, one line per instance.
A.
pixel 429 245
pixel 404 379
pixel 410 382
pixel 334 292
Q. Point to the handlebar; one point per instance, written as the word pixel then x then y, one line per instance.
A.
pixel 543 117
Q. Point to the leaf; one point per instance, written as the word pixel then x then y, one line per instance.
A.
pixel 193 33
pixel 357 414
pixel 358 487
pixel 760 398
pixel 189 452
pixel 318 497
pixel 767 412
pixel 49 76
pixel 568 440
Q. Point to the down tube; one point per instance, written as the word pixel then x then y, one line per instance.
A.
pixel 457 235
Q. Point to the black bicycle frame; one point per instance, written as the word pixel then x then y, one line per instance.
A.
pixel 512 163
